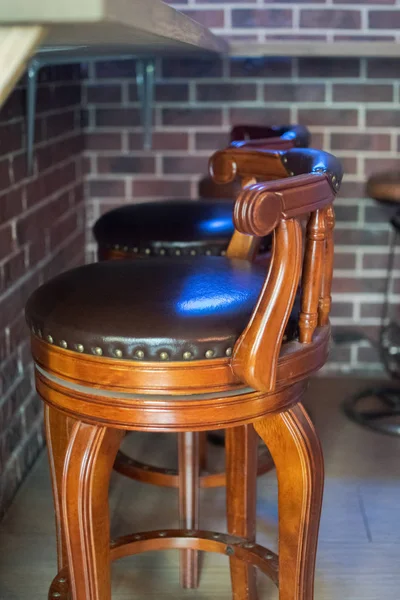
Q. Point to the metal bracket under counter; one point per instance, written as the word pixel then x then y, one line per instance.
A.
pixel 145 75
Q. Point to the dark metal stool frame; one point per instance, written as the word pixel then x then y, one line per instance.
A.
pixel 389 396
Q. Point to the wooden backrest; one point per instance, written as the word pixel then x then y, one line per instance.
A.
pixel 292 185
pixel 279 137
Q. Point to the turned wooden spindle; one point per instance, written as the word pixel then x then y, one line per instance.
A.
pixel 312 275
pixel 189 473
pixel 325 300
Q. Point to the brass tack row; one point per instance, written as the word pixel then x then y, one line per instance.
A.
pixel 139 354
pixel 162 251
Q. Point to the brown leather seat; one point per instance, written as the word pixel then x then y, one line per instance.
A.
pixel 159 309
pixel 170 227
pixel 384 187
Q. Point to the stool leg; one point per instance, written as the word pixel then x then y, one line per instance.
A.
pixel 57 426
pixel 85 512
pixel 296 450
pixel 189 456
pixel 241 482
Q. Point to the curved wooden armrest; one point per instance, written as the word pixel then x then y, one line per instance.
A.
pixel 267 165
pixel 305 181
pixel 226 165
pixel 275 206
pixel 260 207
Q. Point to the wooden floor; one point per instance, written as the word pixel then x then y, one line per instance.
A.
pixel 359 551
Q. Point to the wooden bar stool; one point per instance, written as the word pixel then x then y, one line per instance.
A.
pixel 189 345
pixel 186 228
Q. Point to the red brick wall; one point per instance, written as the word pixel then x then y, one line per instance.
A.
pixel 41 234
pixel 350 105
pixel 325 20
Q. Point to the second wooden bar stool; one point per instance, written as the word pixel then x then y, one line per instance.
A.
pixel 188 345
pixel 188 227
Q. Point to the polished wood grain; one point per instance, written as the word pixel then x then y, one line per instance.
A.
pixel 297 454
pixel 241 482
pixel 166 477
pixel 358 550
pixel 189 473
pixel 159 414
pixel 167 539
pixel 85 512
pixel 226 165
pixel 243 246
pixel 264 333
pixel 325 302
pixel 58 427
pixel 312 275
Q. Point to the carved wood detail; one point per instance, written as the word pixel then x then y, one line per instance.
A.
pixel 325 302
pixel 297 454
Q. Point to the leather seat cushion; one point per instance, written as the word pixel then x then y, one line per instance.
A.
pixel 157 309
pixel 161 228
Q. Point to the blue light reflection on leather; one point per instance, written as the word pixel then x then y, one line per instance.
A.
pixel 319 167
pixel 212 293
pixel 288 135
pixel 222 226
pixel 220 222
